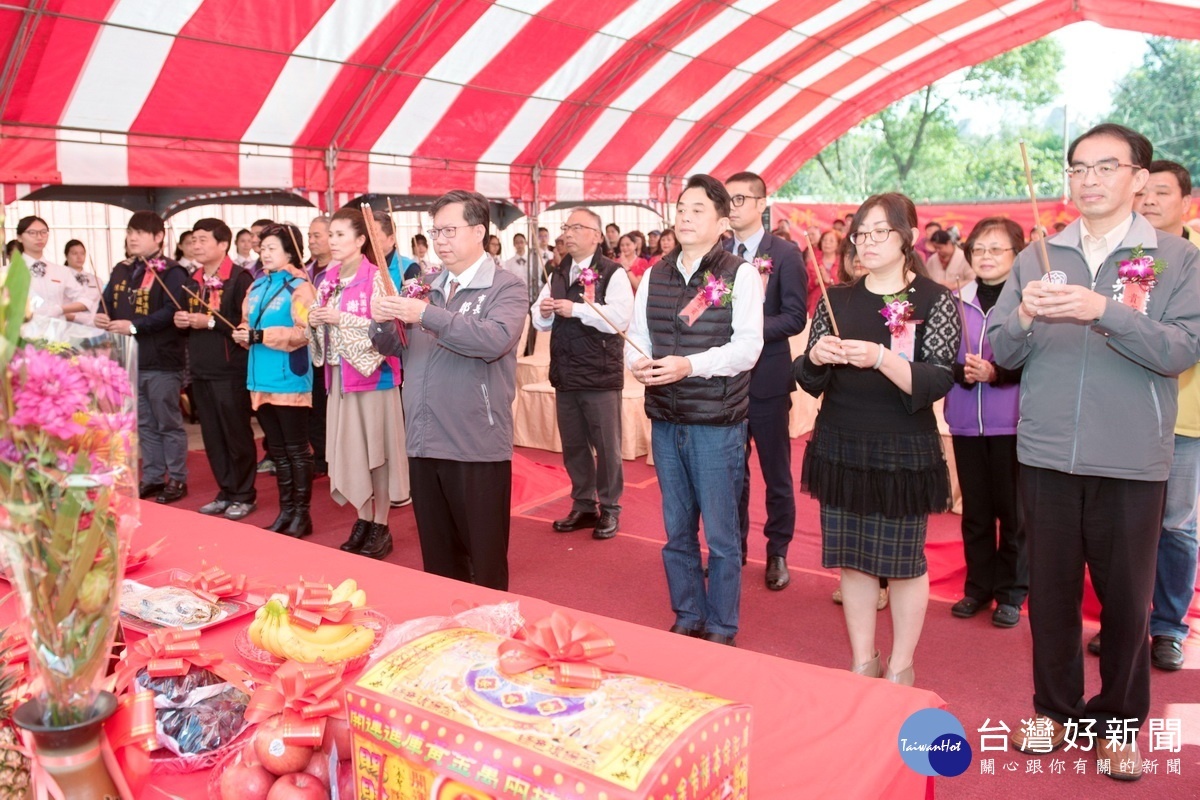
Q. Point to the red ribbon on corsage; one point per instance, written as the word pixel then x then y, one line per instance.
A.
pixel 309 605
pixel 213 583
pixel 172 652
pixel 312 692
pixel 574 650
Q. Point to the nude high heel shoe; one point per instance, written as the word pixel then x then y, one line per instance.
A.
pixel 904 677
pixel 871 669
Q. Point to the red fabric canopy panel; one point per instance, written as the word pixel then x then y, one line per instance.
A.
pixel 553 100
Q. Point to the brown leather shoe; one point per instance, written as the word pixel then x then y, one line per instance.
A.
pixel 1124 760
pixel 778 576
pixel 1040 736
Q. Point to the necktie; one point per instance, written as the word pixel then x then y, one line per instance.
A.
pixel 450 295
pixel 742 251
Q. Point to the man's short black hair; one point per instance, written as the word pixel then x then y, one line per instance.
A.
pixel 1178 170
pixel 713 189
pixel 1140 149
pixel 262 223
pixel 757 184
pixel 219 230
pixel 612 225
pixel 146 222
pixel 475 207
pixel 939 237
pixel 933 224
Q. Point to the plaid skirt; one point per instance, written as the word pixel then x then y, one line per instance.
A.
pixel 887 547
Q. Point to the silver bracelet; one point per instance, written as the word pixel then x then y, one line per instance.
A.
pixel 879 361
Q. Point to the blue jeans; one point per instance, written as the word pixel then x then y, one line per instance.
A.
pixel 700 471
pixel 1175 576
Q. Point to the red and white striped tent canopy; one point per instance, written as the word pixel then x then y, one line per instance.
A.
pixel 523 100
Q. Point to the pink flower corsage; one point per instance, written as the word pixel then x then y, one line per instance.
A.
pixel 213 282
pixel 588 276
pixel 1141 268
pixel 897 311
pixel 716 292
pixel 416 291
pixel 157 264
pixel 764 265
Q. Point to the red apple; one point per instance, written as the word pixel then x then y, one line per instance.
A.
pixel 298 786
pixel 242 781
pixel 318 767
pixel 337 731
pixel 345 779
pixel 249 756
pixel 279 757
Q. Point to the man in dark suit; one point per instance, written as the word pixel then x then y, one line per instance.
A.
pixel 781 264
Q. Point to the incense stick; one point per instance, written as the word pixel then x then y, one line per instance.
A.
pixel 825 295
pixel 620 332
pixel 1037 219
pixel 962 314
pixel 154 272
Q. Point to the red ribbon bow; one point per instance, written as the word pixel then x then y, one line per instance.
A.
pixel 310 692
pixel 573 649
pixel 213 583
pixel 309 605
pixel 172 652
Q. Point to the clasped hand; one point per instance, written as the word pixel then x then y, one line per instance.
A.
pixel 1061 301
pixel 661 371
pixel 852 352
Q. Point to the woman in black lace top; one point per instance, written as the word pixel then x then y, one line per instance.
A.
pixel 874 461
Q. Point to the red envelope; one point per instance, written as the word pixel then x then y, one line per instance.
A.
pixel 589 292
pixel 1135 296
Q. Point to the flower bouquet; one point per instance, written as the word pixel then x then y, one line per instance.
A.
pixel 68 506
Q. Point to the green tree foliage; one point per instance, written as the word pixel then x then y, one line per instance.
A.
pixel 915 145
pixel 1161 99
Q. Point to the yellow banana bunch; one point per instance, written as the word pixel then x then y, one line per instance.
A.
pixel 292 646
pixel 273 631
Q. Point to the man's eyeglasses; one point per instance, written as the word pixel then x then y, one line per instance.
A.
pixel 979 251
pixel 1104 169
pixel 876 235
pixel 449 231
pixel 738 200
pixel 577 228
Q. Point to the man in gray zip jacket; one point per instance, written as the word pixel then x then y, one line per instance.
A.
pixel 1095 438
pixel 459 384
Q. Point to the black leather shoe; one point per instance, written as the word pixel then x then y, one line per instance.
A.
pixel 1093 645
pixel 695 634
pixel 718 638
pixel 576 520
pixel 607 527
pixel 358 535
pixel 173 491
pixel 967 607
pixel 778 576
pixel 1166 653
pixel 1006 615
pixel 146 490
pixel 379 542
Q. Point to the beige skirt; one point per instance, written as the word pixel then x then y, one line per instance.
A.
pixel 364 432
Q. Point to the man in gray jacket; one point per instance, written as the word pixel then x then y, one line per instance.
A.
pixel 1098 401
pixel 459 384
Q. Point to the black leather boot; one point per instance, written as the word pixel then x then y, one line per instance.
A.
pixel 287 490
pixel 379 542
pixel 358 535
pixel 300 462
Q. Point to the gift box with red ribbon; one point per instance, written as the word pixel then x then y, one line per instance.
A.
pixel 551 713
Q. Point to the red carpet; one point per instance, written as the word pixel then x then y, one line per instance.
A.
pixel 981 671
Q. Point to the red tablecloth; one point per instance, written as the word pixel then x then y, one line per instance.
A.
pixel 816 732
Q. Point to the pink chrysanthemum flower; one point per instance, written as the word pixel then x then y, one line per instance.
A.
pixel 109 381
pixel 47 392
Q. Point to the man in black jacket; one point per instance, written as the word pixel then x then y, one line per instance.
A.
pixel 781 267
pixel 587 371
pixel 139 307
pixel 698 313
pixel 218 367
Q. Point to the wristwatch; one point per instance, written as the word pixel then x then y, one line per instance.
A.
pixel 132 329
pixel 212 323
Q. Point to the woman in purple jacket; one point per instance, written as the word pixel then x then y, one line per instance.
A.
pixel 982 411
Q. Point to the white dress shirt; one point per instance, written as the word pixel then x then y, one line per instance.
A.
pixel 53 288
pixel 466 276
pixel 617 305
pixel 739 354
pixel 1098 248
pixel 752 243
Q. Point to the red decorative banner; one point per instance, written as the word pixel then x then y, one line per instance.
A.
pixel 800 216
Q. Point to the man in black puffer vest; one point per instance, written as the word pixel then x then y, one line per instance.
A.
pixel 587 371
pixel 699 314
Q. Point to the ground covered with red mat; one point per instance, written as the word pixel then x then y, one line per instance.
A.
pixel 981 671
